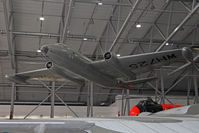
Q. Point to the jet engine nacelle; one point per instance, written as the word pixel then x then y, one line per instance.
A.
pixel 113 61
pixel 187 54
pixel 49 65
pixel 109 57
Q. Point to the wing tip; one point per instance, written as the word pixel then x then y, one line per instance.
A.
pixel 15 78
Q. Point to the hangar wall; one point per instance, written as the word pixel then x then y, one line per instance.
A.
pixel 60 111
pixel 99 111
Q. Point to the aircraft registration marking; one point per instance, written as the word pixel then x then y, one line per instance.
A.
pixel 153 61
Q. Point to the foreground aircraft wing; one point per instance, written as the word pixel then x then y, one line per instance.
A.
pixel 191 110
pixel 45 74
pixel 41 126
pixel 137 124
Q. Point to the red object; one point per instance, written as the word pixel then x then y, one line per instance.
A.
pixel 134 111
pixel 170 106
pixel 130 85
pixel 118 113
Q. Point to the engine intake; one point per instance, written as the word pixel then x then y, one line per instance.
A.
pixel 107 55
pixel 49 65
pixel 112 61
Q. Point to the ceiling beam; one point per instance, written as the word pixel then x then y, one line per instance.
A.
pixel 157 17
pixel 87 27
pixel 131 29
pixel 185 6
pixel 178 27
pixel 9 27
pixel 66 23
pixel 109 22
pixel 80 37
pixel 159 31
pixel 124 24
pixel 61 23
pixel 189 33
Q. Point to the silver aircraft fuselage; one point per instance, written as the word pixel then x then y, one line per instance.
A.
pixel 65 58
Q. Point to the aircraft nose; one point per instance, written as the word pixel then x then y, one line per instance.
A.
pixel 44 49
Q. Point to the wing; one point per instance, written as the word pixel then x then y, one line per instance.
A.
pixel 192 110
pixel 45 74
pixel 40 74
pixel 149 124
pixel 129 66
pixel 31 126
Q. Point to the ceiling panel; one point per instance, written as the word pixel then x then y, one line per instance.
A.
pixel 82 10
pixel 127 48
pixel 96 29
pixel 88 47
pixel 27 43
pixel 73 44
pixel 78 27
pixel 138 32
pixel 48 41
pixel 54 9
pixel 27 6
pixel 25 22
pixel 51 24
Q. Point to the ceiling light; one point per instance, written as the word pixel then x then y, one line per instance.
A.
pixel 167 44
pixel 42 18
pixel 39 51
pixel 118 55
pixel 85 39
pixel 138 25
pixel 100 3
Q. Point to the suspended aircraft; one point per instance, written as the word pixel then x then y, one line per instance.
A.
pixel 112 71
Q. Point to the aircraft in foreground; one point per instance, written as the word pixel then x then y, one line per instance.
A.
pixel 112 71
pixel 178 120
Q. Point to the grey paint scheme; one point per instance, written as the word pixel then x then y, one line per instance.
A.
pixel 111 72
pixel 164 122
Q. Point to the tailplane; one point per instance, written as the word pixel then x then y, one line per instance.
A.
pixel 130 83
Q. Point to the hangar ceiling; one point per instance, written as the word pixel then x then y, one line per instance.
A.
pixel 92 29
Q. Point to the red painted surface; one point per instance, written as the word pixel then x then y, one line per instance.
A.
pixel 170 106
pixel 134 111
pixel 130 85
